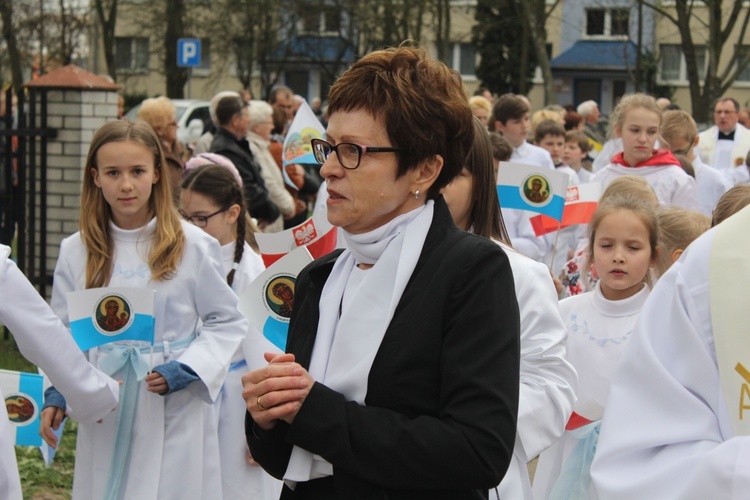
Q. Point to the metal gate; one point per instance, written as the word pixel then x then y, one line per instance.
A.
pixel 23 181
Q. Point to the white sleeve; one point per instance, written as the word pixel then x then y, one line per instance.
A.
pixel 548 381
pixel 223 326
pixel 45 341
pixel 522 236
pixel 665 432
pixel 685 194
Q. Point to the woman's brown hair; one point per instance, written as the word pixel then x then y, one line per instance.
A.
pixel 421 102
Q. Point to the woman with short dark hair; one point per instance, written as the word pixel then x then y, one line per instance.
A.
pixel 400 379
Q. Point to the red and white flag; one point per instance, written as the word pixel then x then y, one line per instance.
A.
pixel 316 233
pixel 581 202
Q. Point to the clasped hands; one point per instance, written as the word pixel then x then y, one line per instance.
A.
pixel 276 391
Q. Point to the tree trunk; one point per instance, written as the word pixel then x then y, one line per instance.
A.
pixel 14 56
pixel 534 15
pixel 176 76
pixel 107 21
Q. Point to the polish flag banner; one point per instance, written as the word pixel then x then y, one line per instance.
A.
pixel 23 398
pixel 581 202
pixel 268 300
pixel 533 188
pixel 316 233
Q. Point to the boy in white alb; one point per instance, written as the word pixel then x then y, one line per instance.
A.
pixel 575 150
pixel 511 115
pixel 681 134
pixel 672 430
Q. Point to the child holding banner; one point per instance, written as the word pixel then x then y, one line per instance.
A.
pixel 131 236
pixel 212 189
pixel 623 247
pixel 43 339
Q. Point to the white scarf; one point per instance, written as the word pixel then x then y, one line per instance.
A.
pixel 347 341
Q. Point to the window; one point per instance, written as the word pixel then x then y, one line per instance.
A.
pixel 320 21
pixel 462 57
pixel 607 22
pixel 131 53
pixel 743 52
pixel 673 66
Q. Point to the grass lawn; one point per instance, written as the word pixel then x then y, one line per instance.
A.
pixel 38 481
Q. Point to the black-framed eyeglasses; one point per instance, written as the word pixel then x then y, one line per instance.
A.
pixel 348 153
pixel 200 220
pixel 686 151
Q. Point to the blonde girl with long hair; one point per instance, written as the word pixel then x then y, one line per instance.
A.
pixel 131 236
pixel 623 236
pixel 637 120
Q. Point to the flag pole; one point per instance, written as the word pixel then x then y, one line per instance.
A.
pixel 554 247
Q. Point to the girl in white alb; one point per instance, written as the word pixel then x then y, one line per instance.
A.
pixel 212 199
pixel 637 121
pixel 624 236
pixel 45 341
pixel 131 236
pixel 547 380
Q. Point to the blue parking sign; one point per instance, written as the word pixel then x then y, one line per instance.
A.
pixel 188 52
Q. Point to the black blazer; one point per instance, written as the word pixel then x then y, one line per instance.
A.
pixel 442 396
pixel 258 201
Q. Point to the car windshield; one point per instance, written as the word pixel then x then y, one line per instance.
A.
pixel 179 111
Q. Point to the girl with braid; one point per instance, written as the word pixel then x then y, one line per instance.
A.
pixel 212 199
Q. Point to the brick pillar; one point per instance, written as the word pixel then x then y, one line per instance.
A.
pixel 78 103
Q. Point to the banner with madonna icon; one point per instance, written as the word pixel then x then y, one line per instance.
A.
pixel 268 300
pixel 23 398
pixel 103 315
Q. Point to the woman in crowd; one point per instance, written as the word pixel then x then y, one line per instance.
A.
pixel 401 374
pixel 548 381
pixel 159 112
pixel 259 137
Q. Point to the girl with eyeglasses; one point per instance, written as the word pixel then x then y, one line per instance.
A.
pixel 212 199
pixel 131 236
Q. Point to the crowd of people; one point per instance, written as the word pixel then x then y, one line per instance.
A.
pixel 442 347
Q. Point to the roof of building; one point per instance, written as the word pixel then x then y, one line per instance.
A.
pixel 72 77
pixel 601 55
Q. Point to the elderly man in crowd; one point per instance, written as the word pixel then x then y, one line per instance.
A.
pixel 233 117
pixel 589 110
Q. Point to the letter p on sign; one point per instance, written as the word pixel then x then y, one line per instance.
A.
pixel 188 52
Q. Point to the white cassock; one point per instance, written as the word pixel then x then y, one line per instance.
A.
pixel 548 381
pixel 599 330
pixel 673 187
pixel 45 341
pixel 168 457
pixel 711 185
pixel 239 479
pixel 723 155
pixel 667 432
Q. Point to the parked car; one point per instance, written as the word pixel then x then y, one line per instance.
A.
pixel 192 116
